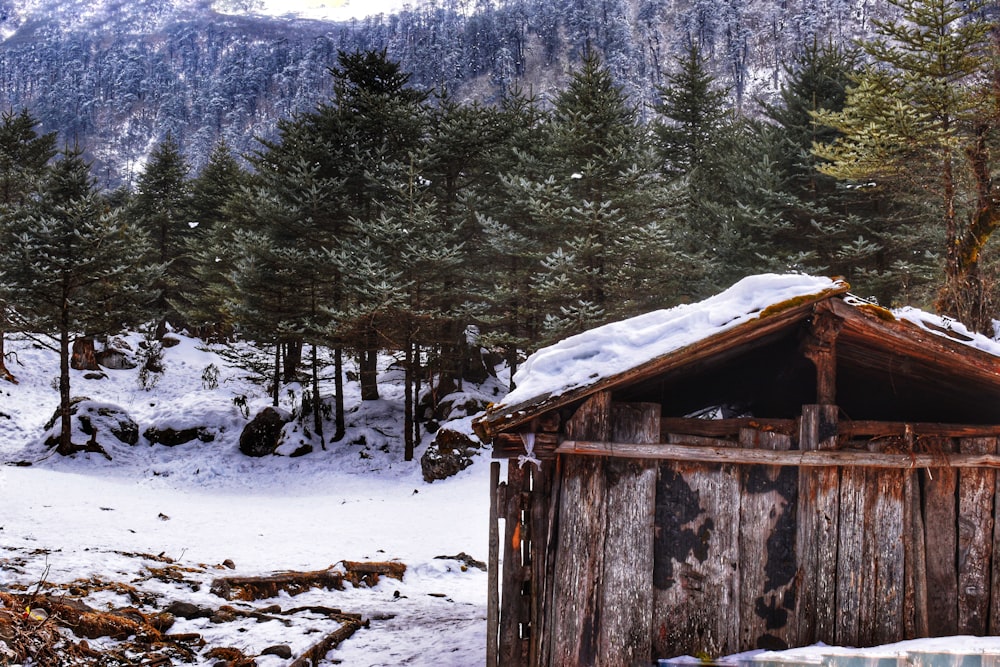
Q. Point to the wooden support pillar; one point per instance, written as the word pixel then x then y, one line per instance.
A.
pixel 817 528
pixel 493 576
pixel 820 348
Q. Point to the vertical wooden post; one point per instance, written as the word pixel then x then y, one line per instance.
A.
pixel 975 539
pixel 493 576
pixel 817 528
pixel 515 600
pixel 915 585
pixel 940 536
pixel 820 348
pixel 579 561
pixel 626 613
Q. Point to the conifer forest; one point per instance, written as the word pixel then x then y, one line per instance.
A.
pixel 491 176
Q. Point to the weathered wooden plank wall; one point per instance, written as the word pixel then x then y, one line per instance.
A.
pixel 632 560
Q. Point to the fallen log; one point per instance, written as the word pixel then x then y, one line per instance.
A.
pixel 315 653
pixel 268 586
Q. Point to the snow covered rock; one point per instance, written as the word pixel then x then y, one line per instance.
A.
pixel 262 435
pixel 93 419
pixel 450 453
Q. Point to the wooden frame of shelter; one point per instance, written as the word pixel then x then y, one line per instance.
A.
pixel 856 507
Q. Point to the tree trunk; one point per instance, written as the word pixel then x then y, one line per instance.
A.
pixel 276 390
pixel 408 380
pixel 4 373
pixel 84 358
pixel 317 400
pixel 65 446
pixel 368 370
pixel 965 296
pixel 293 359
pixel 417 370
pixel 340 426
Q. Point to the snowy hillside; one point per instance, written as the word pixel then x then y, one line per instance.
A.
pixel 152 526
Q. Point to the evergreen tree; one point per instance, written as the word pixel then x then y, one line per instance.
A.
pixel 876 243
pixel 694 112
pixel 210 246
pixel 24 153
pixel 599 204
pixel 921 118
pixel 75 267
pixel 369 128
pixel 162 206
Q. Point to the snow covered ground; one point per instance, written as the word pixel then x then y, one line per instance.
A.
pixel 199 504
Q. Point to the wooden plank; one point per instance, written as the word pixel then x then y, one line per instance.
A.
pixel 493 576
pixel 853 566
pixel 767 530
pixel 923 429
pixel 975 539
pixel 626 612
pixel 540 534
pixel 995 598
pixel 940 520
pixel 580 556
pixel 881 610
pixel 915 585
pixel 817 538
pixel 696 554
pixel 719 428
pixel 514 610
pixel 695 453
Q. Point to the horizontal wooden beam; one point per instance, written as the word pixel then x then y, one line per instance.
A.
pixel 739 455
pixel 715 428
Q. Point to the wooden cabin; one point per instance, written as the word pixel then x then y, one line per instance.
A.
pixel 844 492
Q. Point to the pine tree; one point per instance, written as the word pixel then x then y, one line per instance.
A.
pixel 372 124
pixel 210 246
pixel 921 118
pixel 24 153
pixel 876 243
pixel 75 267
pixel 694 112
pixel 601 196
pixel 162 206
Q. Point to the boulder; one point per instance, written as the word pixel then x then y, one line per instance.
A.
pixel 94 419
pixel 449 453
pixel 172 437
pixel 262 435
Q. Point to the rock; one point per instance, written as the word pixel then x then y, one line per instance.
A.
pixel 229 563
pixel 97 419
pixel 449 453
pixel 169 341
pixel 172 437
pixel 187 610
pixel 261 436
pixel 465 558
pixel 115 359
pixel 281 650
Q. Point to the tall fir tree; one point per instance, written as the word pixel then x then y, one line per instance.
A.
pixel 921 119
pixel 75 267
pixel 210 246
pixel 24 154
pixel 878 244
pixel 161 205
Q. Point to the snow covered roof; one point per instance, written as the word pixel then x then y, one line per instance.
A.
pixel 609 356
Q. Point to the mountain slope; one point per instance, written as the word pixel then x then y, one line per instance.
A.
pixel 118 76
